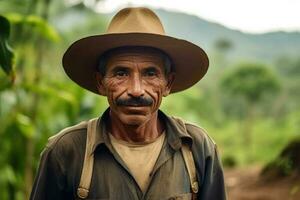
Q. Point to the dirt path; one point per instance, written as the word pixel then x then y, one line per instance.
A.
pixel 246 184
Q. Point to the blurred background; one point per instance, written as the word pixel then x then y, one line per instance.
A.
pixel 248 101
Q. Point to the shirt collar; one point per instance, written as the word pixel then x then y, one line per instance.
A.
pixel 176 132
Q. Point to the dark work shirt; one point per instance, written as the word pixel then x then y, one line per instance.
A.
pixel 61 163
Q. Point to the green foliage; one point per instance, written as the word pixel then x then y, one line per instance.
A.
pixel 40 104
pixel 268 138
pixel 36 24
pixel 289 67
pixel 6 53
pixel 251 82
pixel 286 163
pixel 229 161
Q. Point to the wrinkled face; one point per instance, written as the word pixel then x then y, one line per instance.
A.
pixel 134 83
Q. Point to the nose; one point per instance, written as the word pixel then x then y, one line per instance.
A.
pixel 135 88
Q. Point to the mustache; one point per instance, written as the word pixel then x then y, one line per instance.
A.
pixel 134 101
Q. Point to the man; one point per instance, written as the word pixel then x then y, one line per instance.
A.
pixel 133 151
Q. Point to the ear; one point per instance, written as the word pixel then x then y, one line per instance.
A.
pixel 100 86
pixel 170 81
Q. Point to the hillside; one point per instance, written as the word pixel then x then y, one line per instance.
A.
pixel 263 47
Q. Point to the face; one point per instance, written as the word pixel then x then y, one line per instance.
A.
pixel 134 83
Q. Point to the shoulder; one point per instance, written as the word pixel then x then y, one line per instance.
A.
pixel 67 135
pixel 66 148
pixel 67 144
pixel 195 131
pixel 199 135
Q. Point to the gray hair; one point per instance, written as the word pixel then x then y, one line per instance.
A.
pixel 104 58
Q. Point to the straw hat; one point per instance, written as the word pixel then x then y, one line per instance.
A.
pixel 135 27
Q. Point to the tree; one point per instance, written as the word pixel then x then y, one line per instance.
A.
pixel 249 85
pixel 251 82
pixel 223 45
pixel 40 92
pixel 289 69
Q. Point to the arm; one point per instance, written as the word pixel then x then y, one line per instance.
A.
pixel 213 186
pixel 50 181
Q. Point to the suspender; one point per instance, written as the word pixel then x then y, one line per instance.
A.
pixel 87 169
pixel 190 165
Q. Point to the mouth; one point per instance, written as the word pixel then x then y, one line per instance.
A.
pixel 134 109
pixel 135 105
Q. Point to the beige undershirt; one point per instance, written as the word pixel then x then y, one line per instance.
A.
pixel 139 157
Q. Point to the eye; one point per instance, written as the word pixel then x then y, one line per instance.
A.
pixel 150 72
pixel 121 73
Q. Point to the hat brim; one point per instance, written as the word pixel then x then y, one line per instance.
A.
pixel 81 58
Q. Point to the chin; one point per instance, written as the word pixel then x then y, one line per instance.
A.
pixel 134 120
pixel 133 116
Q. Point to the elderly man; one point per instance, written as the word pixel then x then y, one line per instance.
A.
pixel 133 151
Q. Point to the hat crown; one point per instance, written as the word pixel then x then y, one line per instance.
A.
pixel 136 20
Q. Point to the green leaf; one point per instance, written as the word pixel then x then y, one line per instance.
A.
pixel 25 125
pixel 6 53
pixel 37 24
pixel 7 174
pixel 5 81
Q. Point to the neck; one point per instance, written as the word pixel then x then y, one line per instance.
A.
pixel 146 132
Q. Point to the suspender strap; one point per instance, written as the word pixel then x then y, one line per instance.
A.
pixel 190 165
pixel 87 169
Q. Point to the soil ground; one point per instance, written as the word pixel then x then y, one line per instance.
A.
pixel 247 184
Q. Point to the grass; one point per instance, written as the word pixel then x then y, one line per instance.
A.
pixel 268 137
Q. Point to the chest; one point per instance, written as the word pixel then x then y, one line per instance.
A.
pixel 112 179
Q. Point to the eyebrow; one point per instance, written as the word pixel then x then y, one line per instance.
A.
pixel 119 67
pixel 151 68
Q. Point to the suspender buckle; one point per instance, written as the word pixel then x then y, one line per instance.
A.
pixel 195 187
pixel 82 193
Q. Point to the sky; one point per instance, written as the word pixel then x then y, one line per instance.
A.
pixel 254 16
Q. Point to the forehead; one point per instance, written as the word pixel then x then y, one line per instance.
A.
pixel 136 55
